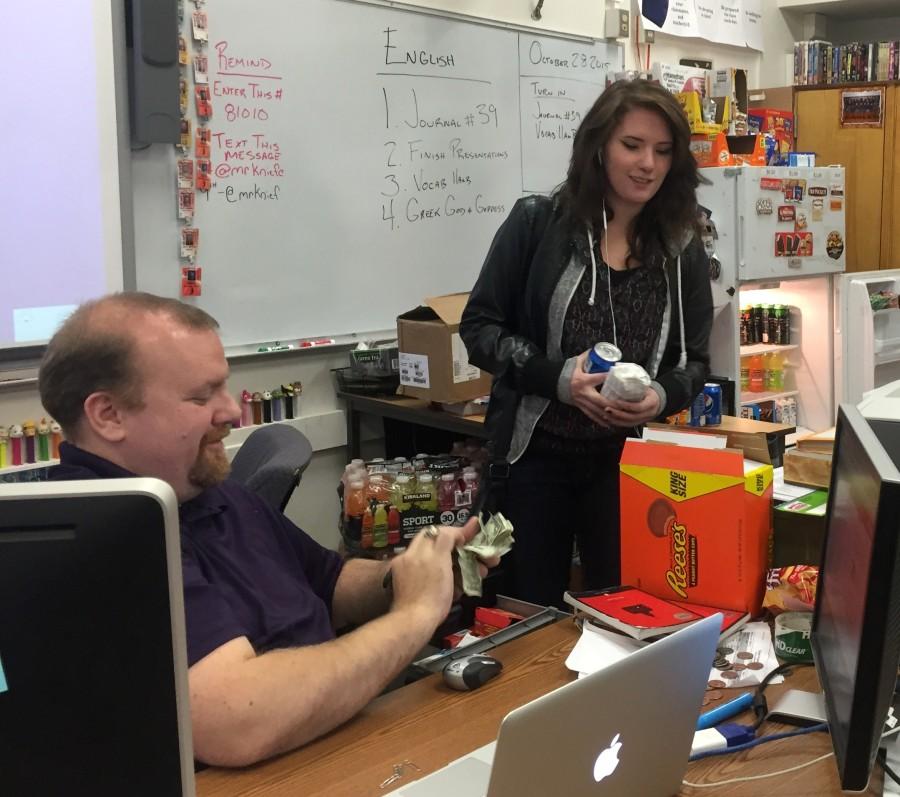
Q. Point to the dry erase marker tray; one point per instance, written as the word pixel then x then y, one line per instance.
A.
pixel 350 382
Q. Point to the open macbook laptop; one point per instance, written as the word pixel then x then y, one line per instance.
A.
pixel 624 730
pixel 93 662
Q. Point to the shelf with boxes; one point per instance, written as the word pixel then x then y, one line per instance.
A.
pixel 766 348
pixel 756 398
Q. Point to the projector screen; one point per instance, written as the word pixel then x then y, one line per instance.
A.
pixel 60 229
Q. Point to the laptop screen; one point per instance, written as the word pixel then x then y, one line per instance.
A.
pixel 92 677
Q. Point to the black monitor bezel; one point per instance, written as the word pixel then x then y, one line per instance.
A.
pixel 856 745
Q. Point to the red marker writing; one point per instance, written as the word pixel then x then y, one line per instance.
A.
pixel 318 342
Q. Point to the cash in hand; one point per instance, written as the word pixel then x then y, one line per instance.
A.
pixel 493 540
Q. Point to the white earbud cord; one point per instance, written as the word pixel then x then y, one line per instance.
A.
pixel 605 251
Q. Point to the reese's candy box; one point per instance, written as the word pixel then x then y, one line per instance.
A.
pixel 695 524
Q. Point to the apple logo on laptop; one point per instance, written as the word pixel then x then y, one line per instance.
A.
pixel 608 760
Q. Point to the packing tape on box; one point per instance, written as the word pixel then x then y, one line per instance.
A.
pixel 792 641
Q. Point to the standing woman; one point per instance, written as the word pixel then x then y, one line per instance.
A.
pixel 613 255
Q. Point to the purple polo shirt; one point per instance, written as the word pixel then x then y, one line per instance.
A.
pixel 247 570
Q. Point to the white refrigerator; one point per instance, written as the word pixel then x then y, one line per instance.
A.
pixel 779 237
pixel 866 338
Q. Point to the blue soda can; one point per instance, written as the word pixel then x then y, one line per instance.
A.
pixel 712 395
pixel 698 410
pixel 601 358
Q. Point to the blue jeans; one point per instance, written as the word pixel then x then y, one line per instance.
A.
pixel 554 500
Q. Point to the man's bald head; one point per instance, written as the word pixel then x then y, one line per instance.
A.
pixel 94 350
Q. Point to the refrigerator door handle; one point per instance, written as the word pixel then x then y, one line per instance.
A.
pixel 740 242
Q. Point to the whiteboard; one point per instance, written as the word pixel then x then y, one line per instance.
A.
pixel 363 158
pixel 60 230
pixel 559 82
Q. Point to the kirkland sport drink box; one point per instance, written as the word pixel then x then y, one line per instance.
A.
pixel 695 524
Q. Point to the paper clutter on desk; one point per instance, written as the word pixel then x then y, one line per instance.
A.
pixel 745 658
pixel 598 648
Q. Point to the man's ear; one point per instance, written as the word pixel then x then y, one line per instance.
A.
pixel 102 413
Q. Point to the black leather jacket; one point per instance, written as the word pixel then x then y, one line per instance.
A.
pixel 505 323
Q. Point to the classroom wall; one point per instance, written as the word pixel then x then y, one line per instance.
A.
pixel 842 31
pixel 585 17
pixel 314 505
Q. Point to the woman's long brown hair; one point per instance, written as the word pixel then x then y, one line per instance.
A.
pixel 668 220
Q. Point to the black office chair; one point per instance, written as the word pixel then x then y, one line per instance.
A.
pixel 271 462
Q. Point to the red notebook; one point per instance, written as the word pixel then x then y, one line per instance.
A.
pixel 731 620
pixel 632 611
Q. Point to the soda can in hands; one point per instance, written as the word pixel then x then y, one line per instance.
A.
pixel 601 358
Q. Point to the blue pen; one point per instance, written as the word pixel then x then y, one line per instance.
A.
pixel 712 718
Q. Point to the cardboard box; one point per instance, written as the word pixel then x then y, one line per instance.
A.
pixel 799 530
pixel 677 78
pixel 379 361
pixel 695 524
pixel 732 83
pixel 710 150
pixel 434 364
pixel 691 102
pixel 747 150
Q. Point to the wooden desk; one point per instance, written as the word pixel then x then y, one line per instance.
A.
pixel 431 725
pixel 401 408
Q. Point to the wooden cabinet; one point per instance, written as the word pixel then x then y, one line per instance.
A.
pixel 871 156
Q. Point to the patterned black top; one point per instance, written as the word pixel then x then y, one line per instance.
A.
pixel 639 298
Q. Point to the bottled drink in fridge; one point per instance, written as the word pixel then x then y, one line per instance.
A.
pixel 757 374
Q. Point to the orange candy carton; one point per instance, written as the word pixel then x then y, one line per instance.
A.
pixel 695 524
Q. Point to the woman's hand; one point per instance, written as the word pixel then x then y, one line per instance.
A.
pixel 606 412
pixel 586 393
pixel 633 413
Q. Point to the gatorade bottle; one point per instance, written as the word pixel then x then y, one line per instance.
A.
pixel 745 373
pixel 426 485
pixel 775 372
pixel 757 374
pixel 368 521
pixel 393 525
pixel 402 488
pixel 446 493
pixel 380 527
pixel 354 508
pixel 471 482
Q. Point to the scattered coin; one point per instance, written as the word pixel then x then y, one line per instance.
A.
pixel 754 665
pixel 714 694
pixel 724 651
pixel 717 684
pixel 706 701
pixel 744 654
pixel 730 675
pixel 720 664
pixel 738 667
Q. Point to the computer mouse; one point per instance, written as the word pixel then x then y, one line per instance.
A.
pixel 470 672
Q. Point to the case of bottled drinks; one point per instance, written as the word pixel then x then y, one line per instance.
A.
pixel 385 502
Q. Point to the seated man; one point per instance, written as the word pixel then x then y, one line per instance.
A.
pixel 137 383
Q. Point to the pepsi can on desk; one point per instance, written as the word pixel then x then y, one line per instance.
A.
pixel 712 395
pixel 601 358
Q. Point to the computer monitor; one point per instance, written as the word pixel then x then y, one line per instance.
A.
pixel 856 625
pixel 93 660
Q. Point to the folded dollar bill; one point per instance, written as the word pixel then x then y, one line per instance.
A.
pixel 494 539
